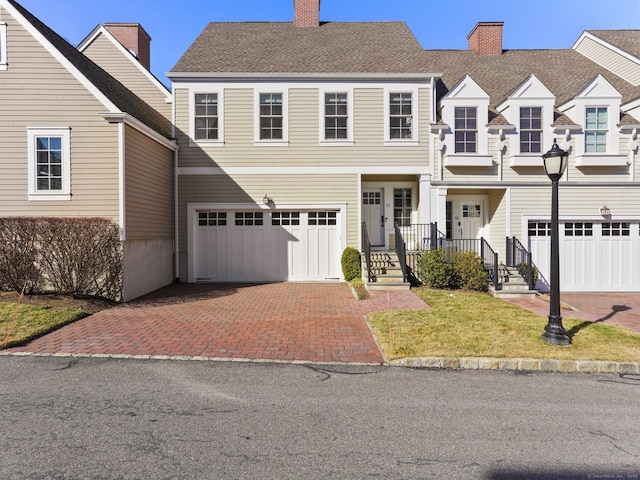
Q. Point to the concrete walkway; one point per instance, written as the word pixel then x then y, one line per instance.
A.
pixel 310 322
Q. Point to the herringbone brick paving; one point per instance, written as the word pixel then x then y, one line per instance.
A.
pixel 316 322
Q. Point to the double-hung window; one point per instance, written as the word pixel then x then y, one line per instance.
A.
pixel 271 116
pixel 206 116
pixel 595 133
pixel 400 116
pixel 336 116
pixel 530 130
pixel 466 129
pixel 49 168
pixel 402 206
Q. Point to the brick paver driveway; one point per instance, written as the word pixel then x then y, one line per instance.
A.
pixel 316 322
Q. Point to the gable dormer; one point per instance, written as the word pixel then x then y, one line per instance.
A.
pixel 597 109
pixel 465 110
pixel 530 109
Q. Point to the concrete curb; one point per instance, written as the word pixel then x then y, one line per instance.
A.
pixel 519 364
pixel 182 358
pixel 446 363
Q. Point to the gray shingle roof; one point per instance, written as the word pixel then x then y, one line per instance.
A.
pixel 627 40
pixel 117 93
pixel 333 47
pixel 564 72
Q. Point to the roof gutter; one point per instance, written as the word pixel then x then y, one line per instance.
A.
pixel 203 76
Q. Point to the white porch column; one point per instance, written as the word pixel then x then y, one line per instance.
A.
pixel 424 207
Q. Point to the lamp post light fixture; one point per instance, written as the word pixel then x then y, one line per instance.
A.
pixel 555 163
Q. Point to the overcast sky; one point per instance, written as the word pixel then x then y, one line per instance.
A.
pixel 173 25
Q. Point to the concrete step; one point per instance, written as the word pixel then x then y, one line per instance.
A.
pixel 389 278
pixel 388 286
pixel 513 293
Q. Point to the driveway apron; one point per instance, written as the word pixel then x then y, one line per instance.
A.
pixel 314 322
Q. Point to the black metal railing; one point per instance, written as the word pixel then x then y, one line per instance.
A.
pixel 490 259
pixel 366 248
pixel 401 252
pixel 519 257
pixel 420 236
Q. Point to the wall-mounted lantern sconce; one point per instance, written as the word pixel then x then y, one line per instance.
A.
pixel 605 212
pixel 266 199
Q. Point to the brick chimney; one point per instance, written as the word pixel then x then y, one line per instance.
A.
pixel 307 13
pixel 486 38
pixel 134 38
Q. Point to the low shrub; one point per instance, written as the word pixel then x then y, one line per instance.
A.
pixel 72 256
pixel 435 270
pixel 470 272
pixel 351 265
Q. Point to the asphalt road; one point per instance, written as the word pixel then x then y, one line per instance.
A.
pixel 118 419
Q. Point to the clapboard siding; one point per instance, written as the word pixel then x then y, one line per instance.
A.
pixel 149 188
pixel 103 52
pixel 304 147
pixel 610 59
pixel 39 92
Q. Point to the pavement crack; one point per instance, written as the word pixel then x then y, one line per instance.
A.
pixel 602 434
pixel 329 372
pixel 72 363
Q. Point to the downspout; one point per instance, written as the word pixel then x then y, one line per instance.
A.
pixel 633 148
pixel 176 249
pixel 121 184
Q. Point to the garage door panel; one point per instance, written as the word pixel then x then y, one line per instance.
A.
pixel 594 256
pixel 268 246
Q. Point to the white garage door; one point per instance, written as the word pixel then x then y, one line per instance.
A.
pixel 255 246
pixel 594 256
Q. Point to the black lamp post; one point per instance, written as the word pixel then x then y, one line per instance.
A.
pixel 555 163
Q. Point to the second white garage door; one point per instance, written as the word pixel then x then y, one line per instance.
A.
pixel 595 256
pixel 266 245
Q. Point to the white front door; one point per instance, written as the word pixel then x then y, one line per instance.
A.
pixel 471 220
pixel 373 214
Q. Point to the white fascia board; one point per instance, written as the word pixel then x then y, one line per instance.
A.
pixel 100 29
pixel 108 104
pixel 608 45
pixel 217 76
pixel 141 127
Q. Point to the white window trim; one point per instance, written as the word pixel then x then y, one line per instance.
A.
pixel 322 118
pixel 192 118
pixel 415 110
pixel 284 91
pixel 3 46
pixel 65 134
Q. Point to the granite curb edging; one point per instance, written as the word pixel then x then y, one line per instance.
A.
pixel 444 363
pixel 519 364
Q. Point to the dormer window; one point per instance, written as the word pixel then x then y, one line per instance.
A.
pixel 530 130
pixel 466 129
pixel 595 130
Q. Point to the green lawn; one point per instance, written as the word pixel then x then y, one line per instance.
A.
pixel 467 324
pixel 32 321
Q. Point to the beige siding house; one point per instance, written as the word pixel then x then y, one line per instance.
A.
pixel 282 157
pixel 499 110
pixel 287 149
pixel 116 150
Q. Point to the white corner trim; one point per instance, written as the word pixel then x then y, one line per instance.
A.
pixel 122 181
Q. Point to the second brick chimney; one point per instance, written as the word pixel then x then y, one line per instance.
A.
pixel 307 13
pixel 134 38
pixel 486 38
